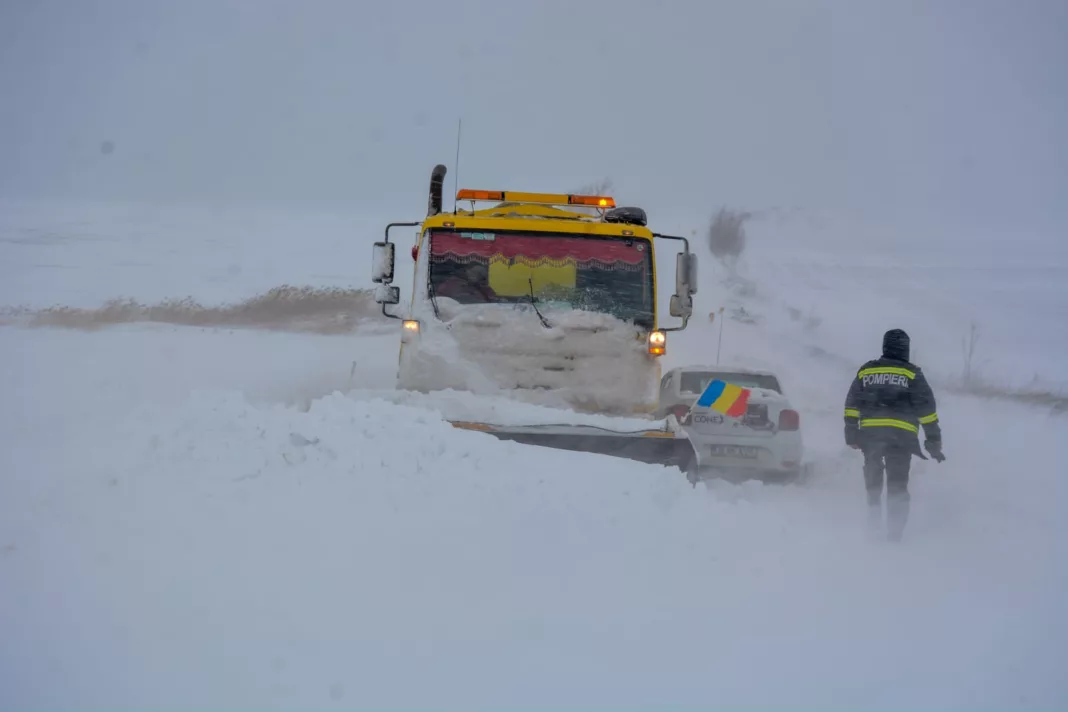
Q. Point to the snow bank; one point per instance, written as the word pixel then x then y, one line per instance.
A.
pixel 165 545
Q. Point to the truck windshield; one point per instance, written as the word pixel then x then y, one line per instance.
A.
pixel 610 275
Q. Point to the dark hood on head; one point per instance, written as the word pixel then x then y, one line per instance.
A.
pixel 896 345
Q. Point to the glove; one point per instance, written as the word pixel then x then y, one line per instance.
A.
pixel 934 449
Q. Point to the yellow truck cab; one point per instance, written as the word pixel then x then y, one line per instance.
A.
pixel 545 298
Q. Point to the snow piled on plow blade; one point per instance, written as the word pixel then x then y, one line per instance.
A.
pixel 561 378
pixel 502 410
pixel 586 361
pixel 646 440
pixel 661 447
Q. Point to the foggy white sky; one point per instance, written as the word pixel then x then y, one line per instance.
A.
pixel 952 112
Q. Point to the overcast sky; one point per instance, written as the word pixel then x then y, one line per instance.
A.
pixel 951 111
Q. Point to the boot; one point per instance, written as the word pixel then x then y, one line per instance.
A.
pixel 897 514
pixel 875 518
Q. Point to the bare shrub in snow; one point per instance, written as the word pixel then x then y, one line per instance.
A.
pixel 810 321
pixel 601 187
pixel 726 235
pixel 324 310
pixel 972 382
pixel 968 345
pixel 969 374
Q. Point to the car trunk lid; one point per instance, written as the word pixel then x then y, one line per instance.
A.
pixel 764 414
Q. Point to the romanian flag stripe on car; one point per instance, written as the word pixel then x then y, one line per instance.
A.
pixel 727 398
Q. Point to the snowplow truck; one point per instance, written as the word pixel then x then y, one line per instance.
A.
pixel 546 299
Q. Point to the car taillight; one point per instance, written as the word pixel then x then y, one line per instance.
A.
pixel 789 420
pixel 682 413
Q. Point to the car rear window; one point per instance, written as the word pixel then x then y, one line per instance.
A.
pixel 695 381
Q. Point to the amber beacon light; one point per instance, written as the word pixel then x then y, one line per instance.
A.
pixel 657 343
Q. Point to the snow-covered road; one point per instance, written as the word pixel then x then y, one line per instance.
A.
pixel 235 518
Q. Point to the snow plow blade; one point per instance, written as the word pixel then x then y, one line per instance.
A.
pixel 655 447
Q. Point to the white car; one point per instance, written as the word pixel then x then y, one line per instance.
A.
pixel 764 443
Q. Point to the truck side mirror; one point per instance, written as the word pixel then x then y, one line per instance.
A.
pixel 681 306
pixel 382 263
pixel 387 294
pixel 686 274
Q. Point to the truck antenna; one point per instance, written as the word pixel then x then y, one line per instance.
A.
pixel 456 173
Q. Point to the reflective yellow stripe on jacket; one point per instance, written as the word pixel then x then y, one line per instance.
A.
pixel 928 419
pixel 852 413
pixel 888 423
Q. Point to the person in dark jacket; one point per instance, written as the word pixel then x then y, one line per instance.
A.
pixel 470 287
pixel 887 403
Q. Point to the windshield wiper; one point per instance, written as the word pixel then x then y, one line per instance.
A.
pixel 544 321
pixel 433 296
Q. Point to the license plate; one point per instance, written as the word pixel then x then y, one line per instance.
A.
pixel 745 452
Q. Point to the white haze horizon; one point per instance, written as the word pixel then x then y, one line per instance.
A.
pixel 944 118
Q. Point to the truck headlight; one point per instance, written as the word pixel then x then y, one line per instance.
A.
pixel 409 330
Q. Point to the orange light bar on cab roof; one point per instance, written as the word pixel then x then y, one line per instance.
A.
pixel 597 201
pixel 466 194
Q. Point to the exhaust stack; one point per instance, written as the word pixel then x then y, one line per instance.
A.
pixel 437 181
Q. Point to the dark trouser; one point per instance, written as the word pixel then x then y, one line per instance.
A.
pixel 889 461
